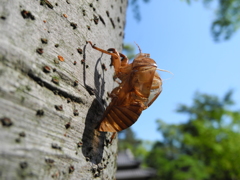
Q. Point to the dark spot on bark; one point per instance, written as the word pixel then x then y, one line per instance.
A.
pixel 74 25
pixel 46 2
pixel 76 83
pixel 67 125
pixel 46 69
pixel 44 40
pixel 22 134
pixel 112 23
pixel 40 112
pixel 107 13
pixel 56 146
pixel 82 61
pixel 23 165
pixel 71 169
pixel 55 80
pixel 101 19
pixel 59 107
pixel 79 144
pixel 39 50
pixel 104 67
pixel 75 112
pixel 7 122
pixel 79 50
pixel 95 19
pixel 27 14
pixel 3 17
pixel 49 161
pixel 84 12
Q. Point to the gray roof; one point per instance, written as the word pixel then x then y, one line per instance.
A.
pixel 129 169
pixel 126 160
pixel 137 174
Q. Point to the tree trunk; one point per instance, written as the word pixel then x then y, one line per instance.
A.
pixel 54 88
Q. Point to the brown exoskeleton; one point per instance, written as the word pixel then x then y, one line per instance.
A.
pixel 139 87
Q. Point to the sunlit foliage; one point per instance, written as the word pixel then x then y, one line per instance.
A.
pixel 204 148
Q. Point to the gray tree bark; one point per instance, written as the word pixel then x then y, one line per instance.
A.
pixel 53 88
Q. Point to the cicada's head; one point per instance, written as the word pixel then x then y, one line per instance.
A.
pixel 143 60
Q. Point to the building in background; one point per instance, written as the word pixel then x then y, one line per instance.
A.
pixel 129 168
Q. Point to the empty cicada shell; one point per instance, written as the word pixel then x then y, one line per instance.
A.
pixel 138 88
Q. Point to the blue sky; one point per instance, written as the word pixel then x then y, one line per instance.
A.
pixel 178 38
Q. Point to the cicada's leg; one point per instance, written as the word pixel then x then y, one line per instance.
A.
pixel 101 50
pixel 115 57
pixel 113 50
pixel 124 60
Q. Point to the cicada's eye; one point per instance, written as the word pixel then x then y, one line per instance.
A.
pixel 147 55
